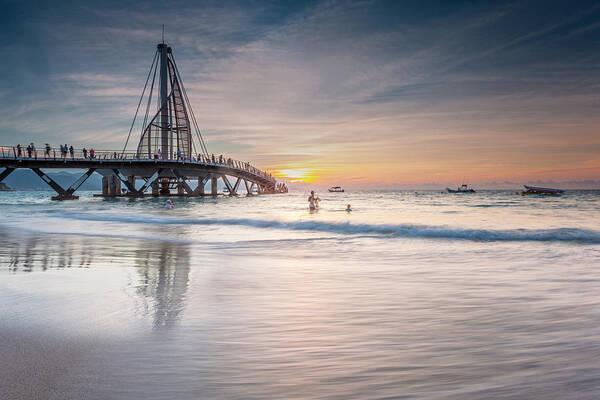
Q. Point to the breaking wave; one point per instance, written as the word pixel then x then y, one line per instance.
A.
pixel 574 235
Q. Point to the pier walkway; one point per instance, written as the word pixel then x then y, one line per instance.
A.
pixel 164 177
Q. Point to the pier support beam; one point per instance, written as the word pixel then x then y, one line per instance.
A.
pixel 229 187
pixel 153 180
pixel 129 181
pixel 5 173
pixel 62 193
pixel 201 183
pixel 235 187
pixel 116 183
pixel 182 185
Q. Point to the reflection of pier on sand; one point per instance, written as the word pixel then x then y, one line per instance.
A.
pixel 162 268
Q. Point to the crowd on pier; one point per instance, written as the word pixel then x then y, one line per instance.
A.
pixel 49 152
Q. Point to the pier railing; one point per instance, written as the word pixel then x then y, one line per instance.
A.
pixel 53 153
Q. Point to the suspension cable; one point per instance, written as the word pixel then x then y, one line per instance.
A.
pixel 197 128
pixel 139 103
pixel 144 126
pixel 176 78
pixel 187 100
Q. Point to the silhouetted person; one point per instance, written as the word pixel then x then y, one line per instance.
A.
pixel 72 151
pixel 19 151
pixel 47 152
pixel 84 152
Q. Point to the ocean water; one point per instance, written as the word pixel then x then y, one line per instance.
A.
pixel 412 295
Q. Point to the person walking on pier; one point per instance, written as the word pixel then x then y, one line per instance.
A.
pixel 84 152
pixel 159 154
pixel 19 151
pixel 72 151
pixel 47 151
pixel 29 150
pixel 92 154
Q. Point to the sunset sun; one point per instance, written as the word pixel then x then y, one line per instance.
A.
pixel 297 175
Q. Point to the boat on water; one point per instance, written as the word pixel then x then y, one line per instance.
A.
pixel 541 190
pixel 464 188
pixel 336 189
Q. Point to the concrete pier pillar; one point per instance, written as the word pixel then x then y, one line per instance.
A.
pixel 164 187
pixel 213 186
pixel 180 190
pixel 201 186
pixel 105 185
pixel 131 180
pixel 154 187
pixel 114 185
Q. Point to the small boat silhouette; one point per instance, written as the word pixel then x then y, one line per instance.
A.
pixel 464 188
pixel 541 190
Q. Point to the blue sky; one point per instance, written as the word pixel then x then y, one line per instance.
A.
pixel 369 92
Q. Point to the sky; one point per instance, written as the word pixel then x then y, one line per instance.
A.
pixel 358 94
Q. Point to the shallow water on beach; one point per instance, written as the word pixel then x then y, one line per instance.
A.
pixel 412 295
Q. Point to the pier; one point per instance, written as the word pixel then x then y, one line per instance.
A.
pixel 171 158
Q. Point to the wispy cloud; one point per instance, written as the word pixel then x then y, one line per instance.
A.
pixel 384 90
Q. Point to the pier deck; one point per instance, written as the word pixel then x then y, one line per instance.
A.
pixel 162 176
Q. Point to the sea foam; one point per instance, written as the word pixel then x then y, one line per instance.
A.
pixel 566 234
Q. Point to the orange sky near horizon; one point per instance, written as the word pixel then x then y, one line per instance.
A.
pixel 541 155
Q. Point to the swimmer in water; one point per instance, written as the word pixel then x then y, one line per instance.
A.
pixel 348 208
pixel 313 202
pixel 169 205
